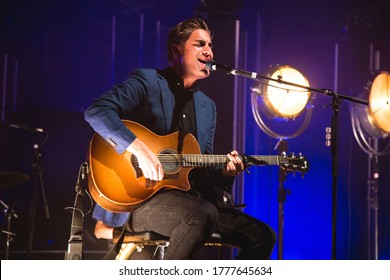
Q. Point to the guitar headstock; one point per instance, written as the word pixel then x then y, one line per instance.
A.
pixel 293 163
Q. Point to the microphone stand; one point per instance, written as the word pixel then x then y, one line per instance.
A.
pixel 75 242
pixel 9 212
pixel 335 104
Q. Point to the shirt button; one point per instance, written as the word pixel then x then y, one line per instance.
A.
pixel 184 115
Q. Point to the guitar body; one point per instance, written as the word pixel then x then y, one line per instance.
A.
pixel 115 181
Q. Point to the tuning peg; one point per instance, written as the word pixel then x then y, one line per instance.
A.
pixel 292 155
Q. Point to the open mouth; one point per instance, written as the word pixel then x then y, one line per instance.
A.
pixel 203 61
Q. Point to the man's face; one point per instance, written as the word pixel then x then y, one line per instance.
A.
pixel 194 53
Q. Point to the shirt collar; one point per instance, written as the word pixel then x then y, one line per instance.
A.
pixel 177 82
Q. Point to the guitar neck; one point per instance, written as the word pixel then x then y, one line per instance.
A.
pixel 201 160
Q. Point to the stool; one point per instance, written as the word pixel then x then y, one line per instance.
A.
pixel 135 241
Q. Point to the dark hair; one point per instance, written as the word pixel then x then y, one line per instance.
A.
pixel 180 33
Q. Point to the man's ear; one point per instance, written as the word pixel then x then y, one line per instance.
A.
pixel 177 51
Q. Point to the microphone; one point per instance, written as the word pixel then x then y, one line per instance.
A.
pixel 25 127
pixel 213 66
pixel 84 170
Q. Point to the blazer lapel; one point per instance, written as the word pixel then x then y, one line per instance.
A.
pixel 167 103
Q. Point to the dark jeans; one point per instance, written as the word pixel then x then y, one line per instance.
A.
pixel 190 221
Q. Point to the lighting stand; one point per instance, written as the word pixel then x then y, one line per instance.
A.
pixel 372 217
pixel 336 100
pixel 282 147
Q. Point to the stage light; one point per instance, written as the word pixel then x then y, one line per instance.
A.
pixel 379 101
pixel 279 99
pixel 286 100
pixel 371 126
pixel 283 95
pixel 372 122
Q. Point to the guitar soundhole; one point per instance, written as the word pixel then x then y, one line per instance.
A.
pixel 170 160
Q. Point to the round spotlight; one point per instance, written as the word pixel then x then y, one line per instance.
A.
pixel 285 100
pixel 275 98
pixel 379 101
pixel 371 124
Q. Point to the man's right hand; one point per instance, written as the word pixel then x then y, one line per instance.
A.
pixel 148 162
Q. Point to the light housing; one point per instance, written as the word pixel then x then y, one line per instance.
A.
pixel 371 123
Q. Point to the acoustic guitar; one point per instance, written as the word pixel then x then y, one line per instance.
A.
pixel 116 182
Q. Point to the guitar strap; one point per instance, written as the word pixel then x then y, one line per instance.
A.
pixel 111 255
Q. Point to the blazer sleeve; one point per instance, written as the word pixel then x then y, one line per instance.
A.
pixel 106 112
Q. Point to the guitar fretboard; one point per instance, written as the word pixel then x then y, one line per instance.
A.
pixel 201 160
